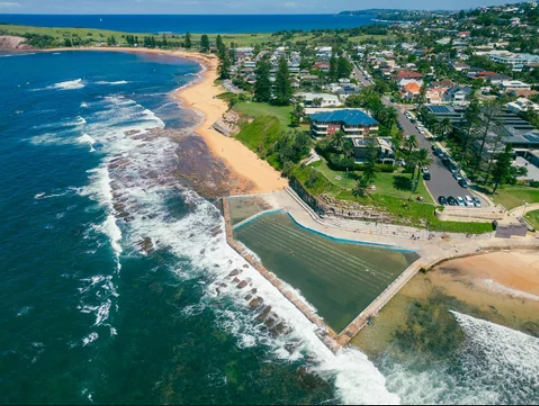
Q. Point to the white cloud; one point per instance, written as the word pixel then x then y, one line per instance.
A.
pixel 9 4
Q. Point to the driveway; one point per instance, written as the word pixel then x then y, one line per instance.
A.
pixel 442 183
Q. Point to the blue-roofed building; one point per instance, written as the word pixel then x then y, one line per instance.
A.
pixel 354 123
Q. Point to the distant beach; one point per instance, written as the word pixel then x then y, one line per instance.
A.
pixel 258 176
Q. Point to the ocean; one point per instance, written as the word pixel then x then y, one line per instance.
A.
pixel 115 271
pixel 179 24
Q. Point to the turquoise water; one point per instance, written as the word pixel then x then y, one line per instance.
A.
pixel 339 280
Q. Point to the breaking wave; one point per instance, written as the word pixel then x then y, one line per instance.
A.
pixel 69 85
pixel 497 365
pixel 118 83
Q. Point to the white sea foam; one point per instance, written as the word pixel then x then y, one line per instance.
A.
pixel 24 311
pixel 144 183
pixel 118 83
pixel 86 139
pixel 496 287
pixel 68 85
pixel 89 339
pixel 497 366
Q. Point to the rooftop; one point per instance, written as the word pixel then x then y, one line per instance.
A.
pixel 345 116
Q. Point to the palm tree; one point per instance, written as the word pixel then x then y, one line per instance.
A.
pixel 422 160
pixel 338 141
pixel 444 127
pixel 411 143
pixel 362 187
pixel 392 117
pixel 348 149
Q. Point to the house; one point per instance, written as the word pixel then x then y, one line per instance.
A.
pixel 521 105
pixel 319 100
pixel 510 85
pixel 460 67
pixel 444 84
pixel 435 95
pixel 322 66
pixel 354 123
pixel 407 75
pixel 516 61
pixel 411 91
pixel 386 150
pixel 405 82
pixel 458 95
pixel 523 93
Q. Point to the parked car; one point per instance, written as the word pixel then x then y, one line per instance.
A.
pixel 477 202
pixel 427 175
pixel 443 201
pixel 464 183
pixel 452 201
pixel 469 201
pixel 458 178
pixel 461 202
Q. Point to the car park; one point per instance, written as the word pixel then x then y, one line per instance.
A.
pixel 452 201
pixel 443 201
pixel 461 202
pixel 464 183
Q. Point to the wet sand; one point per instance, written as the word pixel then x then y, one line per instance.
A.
pixel 500 287
pixel 252 174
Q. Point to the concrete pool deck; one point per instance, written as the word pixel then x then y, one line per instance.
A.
pixel 433 249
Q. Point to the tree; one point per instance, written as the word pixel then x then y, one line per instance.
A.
pixel 490 123
pixel 471 122
pixel 333 68
pixel 338 140
pixel 411 143
pixel 422 160
pixel 362 187
pixel 224 66
pixel 344 68
pixel 283 86
pixel 220 45
pixel 188 43
pixel 444 127
pixel 262 87
pixel 68 43
pixel 297 114
pixel 502 170
pixel 204 43
pixel 372 156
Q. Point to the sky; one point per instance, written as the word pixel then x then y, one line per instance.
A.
pixel 224 6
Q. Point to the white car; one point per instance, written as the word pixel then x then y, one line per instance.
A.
pixel 461 202
pixel 469 201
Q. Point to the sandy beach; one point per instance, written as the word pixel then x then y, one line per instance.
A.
pixel 257 175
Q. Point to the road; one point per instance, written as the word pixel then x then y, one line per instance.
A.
pixel 360 76
pixel 442 182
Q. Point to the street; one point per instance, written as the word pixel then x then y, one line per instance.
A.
pixel 442 182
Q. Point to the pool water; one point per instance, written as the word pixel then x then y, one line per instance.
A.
pixel 339 279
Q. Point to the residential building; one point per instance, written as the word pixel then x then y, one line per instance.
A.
pixel 435 95
pixel 510 85
pixel 458 95
pixel 354 122
pixel 460 67
pixel 522 105
pixel 322 66
pixel 516 61
pixel 319 100
pixel 386 150
pixel 411 91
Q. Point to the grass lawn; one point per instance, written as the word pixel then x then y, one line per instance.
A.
pixel 253 109
pixel 511 197
pixel 410 213
pixel 387 184
pixel 101 35
pixel 533 218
